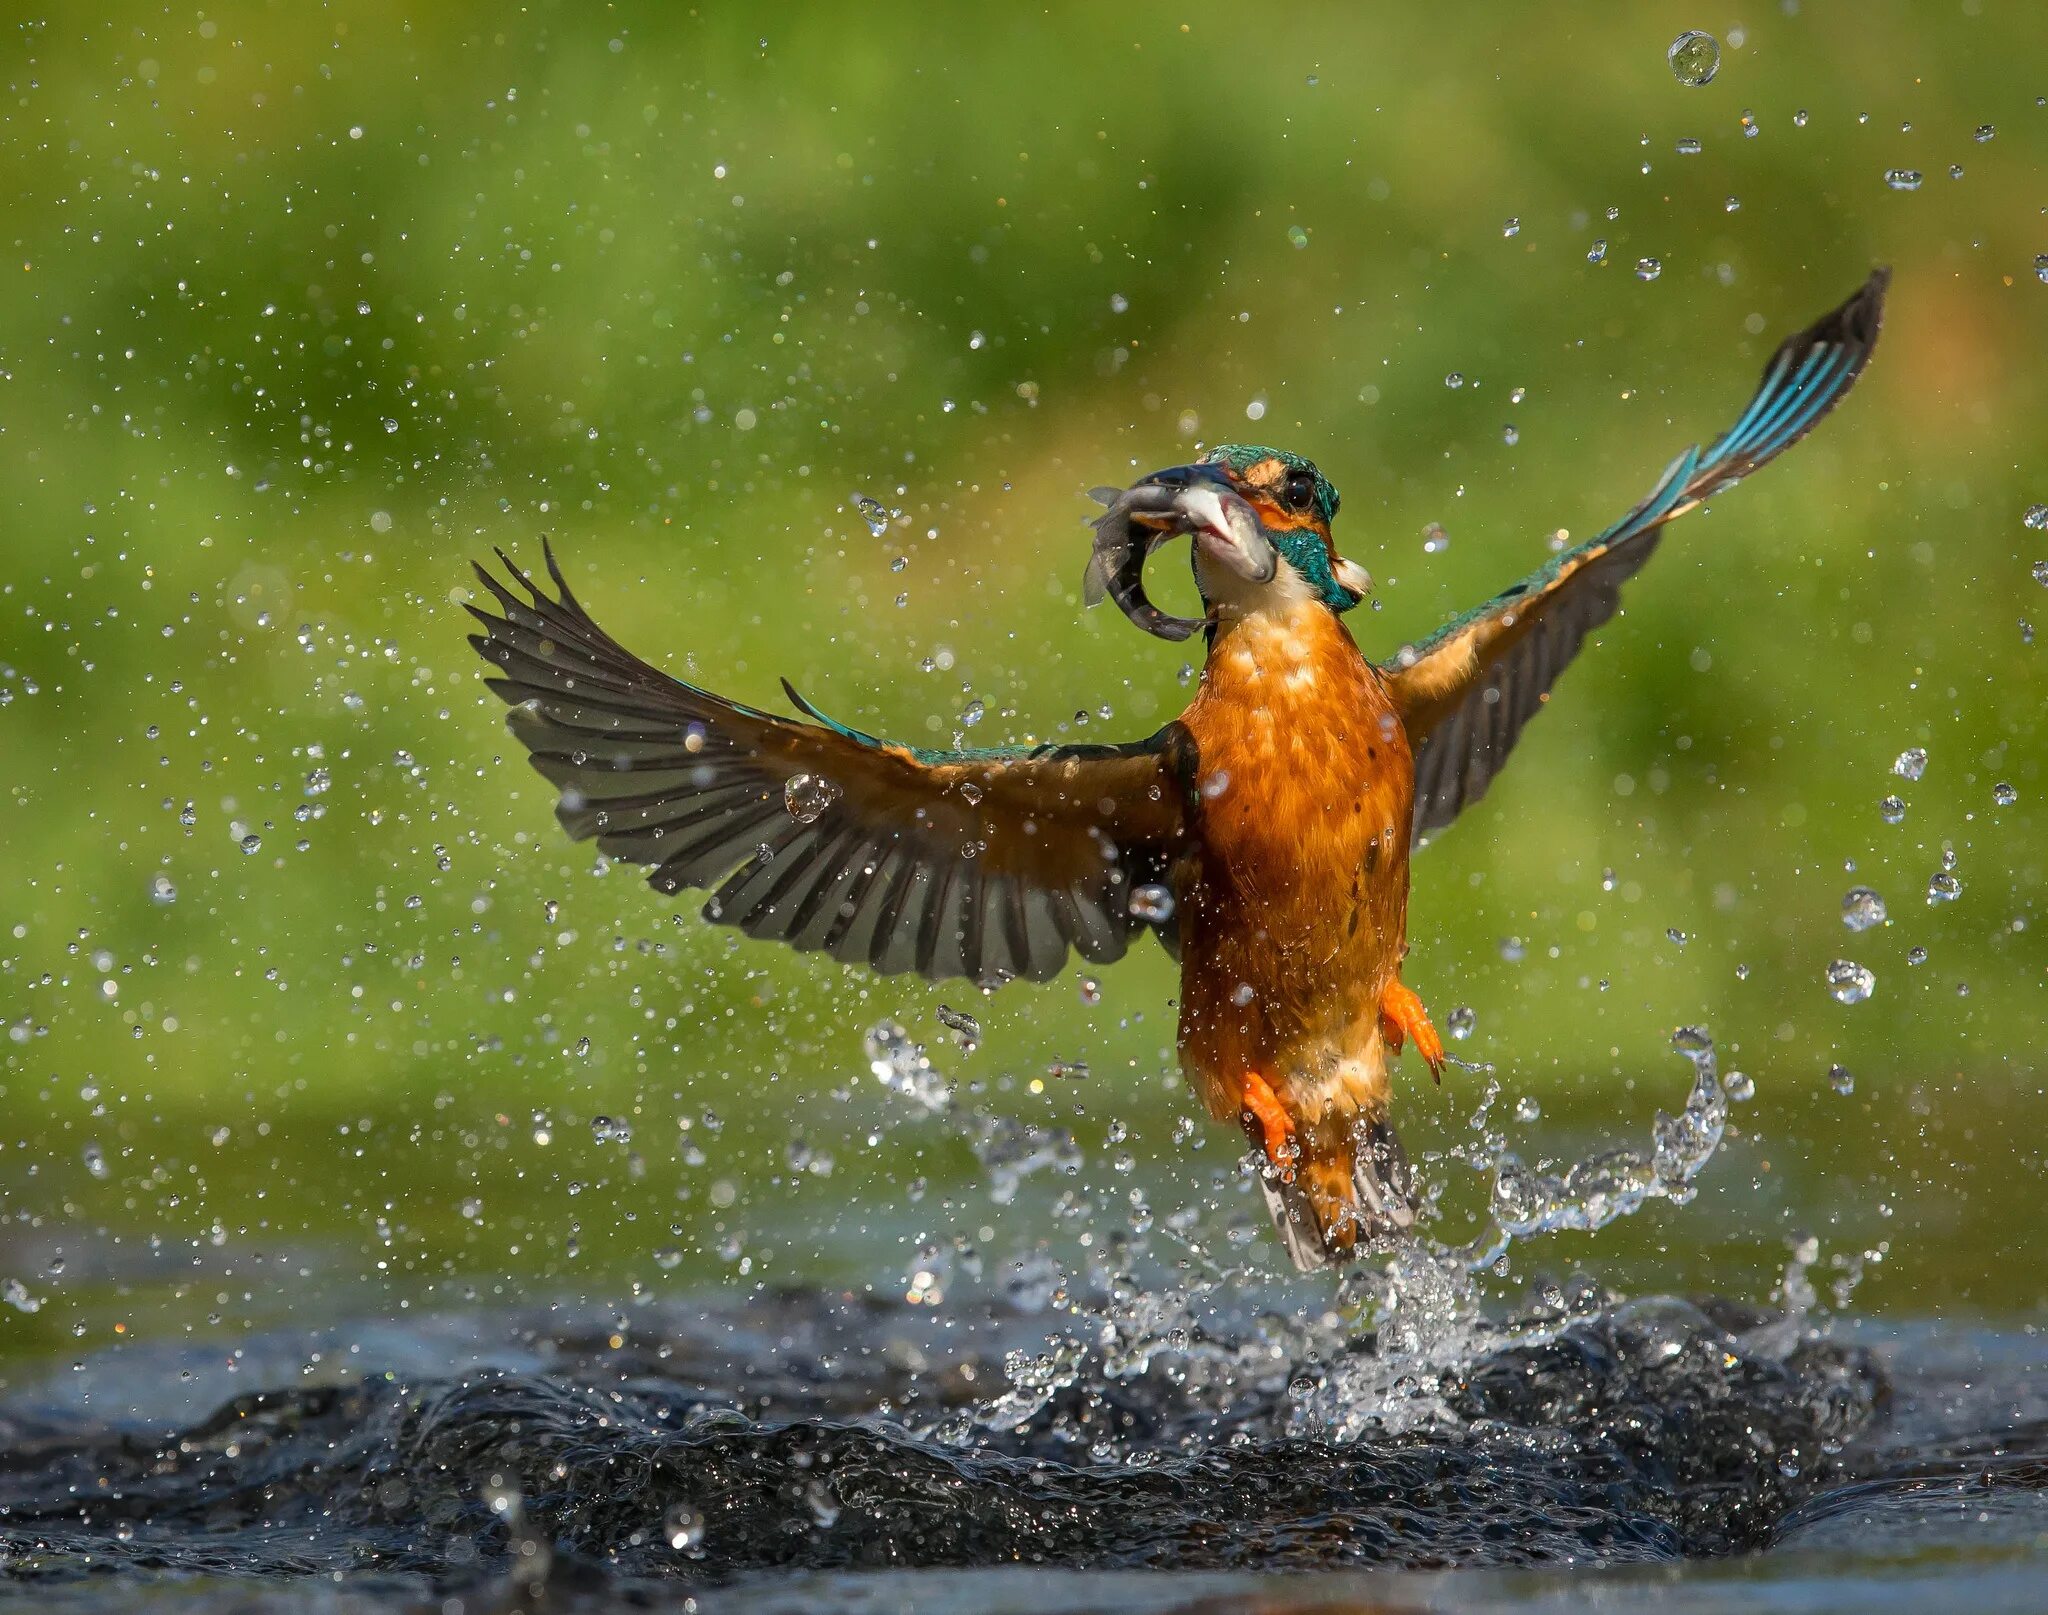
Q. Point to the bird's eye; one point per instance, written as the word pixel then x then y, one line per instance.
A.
pixel 1299 491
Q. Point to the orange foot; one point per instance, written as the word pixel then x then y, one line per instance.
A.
pixel 1263 1106
pixel 1402 1015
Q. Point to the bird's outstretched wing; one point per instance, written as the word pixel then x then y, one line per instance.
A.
pixel 982 864
pixel 1465 693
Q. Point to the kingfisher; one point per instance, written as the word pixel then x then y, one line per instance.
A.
pixel 1263 836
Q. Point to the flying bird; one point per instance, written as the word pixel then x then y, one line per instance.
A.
pixel 1263 836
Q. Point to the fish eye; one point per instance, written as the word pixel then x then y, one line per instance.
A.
pixel 1299 491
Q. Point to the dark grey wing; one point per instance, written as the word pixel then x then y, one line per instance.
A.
pixel 988 865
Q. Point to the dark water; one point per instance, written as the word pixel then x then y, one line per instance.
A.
pixel 810 1451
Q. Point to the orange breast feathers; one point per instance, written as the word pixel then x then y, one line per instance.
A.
pixel 1294 906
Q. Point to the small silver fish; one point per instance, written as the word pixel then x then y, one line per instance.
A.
pixel 1223 523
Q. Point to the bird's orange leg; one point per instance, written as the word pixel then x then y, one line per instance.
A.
pixel 1276 1127
pixel 1402 1014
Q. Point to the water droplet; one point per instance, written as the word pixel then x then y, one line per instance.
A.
pixel 901 1067
pixel 96 1160
pixel 1513 227
pixel 973 713
pixel 1910 763
pixel 1891 809
pixel 1454 380
pixel 1512 949
pixel 1527 1110
pixel 806 797
pixel 873 512
pixel 1943 887
pixel 1461 1022
pixel 683 1527
pixel 1648 269
pixel 1862 908
pixel 1916 956
pixel 1739 1087
pixel 1091 990
pixel 583 1048
pixel 2003 794
pixel 1984 132
pixel 1850 982
pixel 252 843
pixel 2041 266
pixel 1510 436
pixel 1297 237
pixel 1688 147
pixel 1799 118
pixel 162 890
pixel 1151 903
pixel 1695 58
pixel 2036 517
pixel 1904 179
pixel 1842 1080
pixel 1597 253
pixel 965 1028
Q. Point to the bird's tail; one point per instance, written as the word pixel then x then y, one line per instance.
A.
pixel 1350 1186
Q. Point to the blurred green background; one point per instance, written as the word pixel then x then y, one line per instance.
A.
pixel 308 306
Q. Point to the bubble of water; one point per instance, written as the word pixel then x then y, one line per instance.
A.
pixel 806 796
pixel 1984 132
pixel 1091 990
pixel 1841 1079
pixel 1297 237
pixel 16 1295
pixel 1904 179
pixel 251 843
pixel 96 1160
pixel 1461 1021
pixel 1648 268
pixel 973 713
pixel 1916 956
pixel 2040 577
pixel 1862 908
pixel 1891 809
pixel 965 1028
pixel 162 890
pixel 1513 227
pixel 1510 436
pixel 873 512
pixel 1689 147
pixel 1597 253
pixel 1527 1110
pixel 1695 58
pixel 1910 763
pixel 1850 982
pixel 1943 887
pixel 1454 380
pixel 1739 1087
pixel 1151 903
pixel 682 1527
pixel 1513 949
pixel 2003 794
pixel 2041 266
pixel 2036 517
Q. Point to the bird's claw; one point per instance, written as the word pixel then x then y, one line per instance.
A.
pixel 1402 1016
pixel 1267 1119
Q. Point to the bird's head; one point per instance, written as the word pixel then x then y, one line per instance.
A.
pixel 1260 520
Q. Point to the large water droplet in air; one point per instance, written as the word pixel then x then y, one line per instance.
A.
pixel 1943 887
pixel 1648 268
pixel 1862 908
pixel 1850 982
pixel 2036 517
pixel 683 1527
pixel 873 512
pixel 807 796
pixel 1903 179
pixel 1461 1021
pixel 1151 903
pixel 1695 58
pixel 1910 763
pixel 1891 810
pixel 1841 1079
